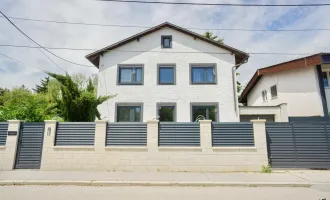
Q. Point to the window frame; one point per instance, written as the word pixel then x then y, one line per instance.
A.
pixel 328 78
pixel 262 95
pixel 166 37
pixel 203 104
pixel 203 65
pixel 133 104
pixel 167 104
pixel 128 66
pixel 159 66
pixel 273 97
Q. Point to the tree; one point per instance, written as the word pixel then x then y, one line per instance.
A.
pixel 3 91
pixel 43 87
pixel 22 104
pixel 75 103
pixel 210 35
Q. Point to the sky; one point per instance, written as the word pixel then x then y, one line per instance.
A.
pixel 95 37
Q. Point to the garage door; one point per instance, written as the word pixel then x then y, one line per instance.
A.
pixel 248 118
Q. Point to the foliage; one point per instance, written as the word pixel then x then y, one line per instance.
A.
pixel 75 102
pixel 22 104
pixel 3 91
pixel 266 169
pixel 43 87
pixel 210 35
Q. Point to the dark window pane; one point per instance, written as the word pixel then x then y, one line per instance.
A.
pixel 130 75
pixel 128 113
pixel 210 75
pixel 166 41
pixel 137 117
pixel 325 79
pixel 166 114
pixel 138 75
pixel 166 75
pixel 204 112
pixel 203 75
pixel 273 91
pixel 212 113
pixel 197 75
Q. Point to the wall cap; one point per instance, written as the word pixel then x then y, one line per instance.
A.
pixel 153 121
pixel 101 121
pixel 179 148
pixel 258 121
pixel 2 147
pixel 235 148
pixel 205 121
pixel 73 147
pixel 15 121
pixel 125 148
pixel 50 121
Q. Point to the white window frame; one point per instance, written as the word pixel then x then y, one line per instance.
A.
pixel 328 76
pixel 266 96
pixel 273 97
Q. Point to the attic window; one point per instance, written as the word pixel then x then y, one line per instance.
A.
pixel 166 41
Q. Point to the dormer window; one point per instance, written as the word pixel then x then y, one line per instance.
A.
pixel 166 41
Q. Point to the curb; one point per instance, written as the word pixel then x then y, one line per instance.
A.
pixel 152 183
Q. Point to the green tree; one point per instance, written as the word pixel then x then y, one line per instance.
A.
pixel 211 36
pixel 43 87
pixel 3 91
pixel 75 103
pixel 22 104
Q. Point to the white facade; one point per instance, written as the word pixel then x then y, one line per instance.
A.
pixel 298 88
pixel 147 51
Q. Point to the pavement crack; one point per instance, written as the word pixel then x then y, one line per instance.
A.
pixel 295 175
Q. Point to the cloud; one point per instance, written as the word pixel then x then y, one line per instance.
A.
pixel 77 36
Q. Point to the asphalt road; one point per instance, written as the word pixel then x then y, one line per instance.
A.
pixel 159 193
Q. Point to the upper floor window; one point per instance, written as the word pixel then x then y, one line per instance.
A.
pixel 166 41
pixel 130 75
pixel 264 95
pixel 203 74
pixel 166 74
pixel 273 91
pixel 325 77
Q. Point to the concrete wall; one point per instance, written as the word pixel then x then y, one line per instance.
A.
pixel 182 93
pixel 152 157
pixel 8 152
pixel 297 88
pixel 280 112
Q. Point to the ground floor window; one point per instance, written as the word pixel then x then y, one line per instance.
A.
pixel 204 111
pixel 129 112
pixel 166 112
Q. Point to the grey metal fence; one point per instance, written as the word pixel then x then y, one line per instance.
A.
pixel 75 133
pixel 126 134
pixel 232 134
pixel 299 144
pixel 3 133
pixel 179 134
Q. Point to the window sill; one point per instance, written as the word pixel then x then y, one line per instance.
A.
pixel 129 84
pixel 203 83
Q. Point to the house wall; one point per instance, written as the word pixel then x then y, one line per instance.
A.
pixel 279 112
pixel 298 88
pixel 326 67
pixel 182 93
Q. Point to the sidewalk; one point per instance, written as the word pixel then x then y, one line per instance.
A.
pixel 275 179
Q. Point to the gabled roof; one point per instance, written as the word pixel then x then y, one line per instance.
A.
pixel 309 61
pixel 95 56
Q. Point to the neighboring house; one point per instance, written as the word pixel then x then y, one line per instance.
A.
pixel 168 73
pixel 303 84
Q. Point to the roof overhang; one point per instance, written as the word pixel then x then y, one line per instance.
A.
pixel 94 57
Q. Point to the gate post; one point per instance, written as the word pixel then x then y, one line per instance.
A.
pixel 260 139
pixel 49 141
pixel 206 134
pixel 152 135
pixel 11 144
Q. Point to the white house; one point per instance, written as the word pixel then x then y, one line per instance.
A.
pixel 168 73
pixel 302 84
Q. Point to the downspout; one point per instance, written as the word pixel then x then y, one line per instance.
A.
pixel 235 83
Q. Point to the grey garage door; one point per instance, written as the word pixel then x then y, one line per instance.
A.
pixel 248 118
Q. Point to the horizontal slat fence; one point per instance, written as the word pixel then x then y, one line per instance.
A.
pixel 3 133
pixel 232 134
pixel 126 134
pixel 179 134
pixel 299 144
pixel 75 134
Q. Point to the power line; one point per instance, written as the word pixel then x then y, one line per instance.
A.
pixel 218 4
pixel 26 65
pixel 152 51
pixel 144 27
pixel 42 46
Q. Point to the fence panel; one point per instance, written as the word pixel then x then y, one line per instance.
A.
pixel 3 133
pixel 126 134
pixel 75 134
pixel 179 134
pixel 232 134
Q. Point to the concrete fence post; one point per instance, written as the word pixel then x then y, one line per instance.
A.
pixel 284 112
pixel 49 140
pixel 100 135
pixel 11 145
pixel 206 134
pixel 152 135
pixel 260 138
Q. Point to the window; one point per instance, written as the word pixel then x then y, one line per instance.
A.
pixel 325 77
pixel 166 75
pixel 273 91
pixel 166 112
pixel 166 41
pixel 200 112
pixel 203 75
pixel 264 95
pixel 129 113
pixel 130 75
